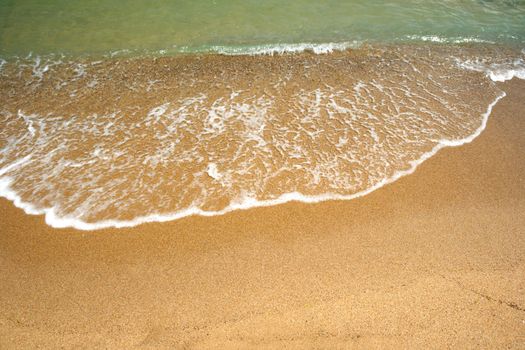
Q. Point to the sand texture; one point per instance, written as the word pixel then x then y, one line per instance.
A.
pixel 434 260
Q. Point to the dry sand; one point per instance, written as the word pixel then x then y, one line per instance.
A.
pixel 435 260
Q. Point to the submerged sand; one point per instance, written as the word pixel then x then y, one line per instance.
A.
pixel 434 260
pixel 118 142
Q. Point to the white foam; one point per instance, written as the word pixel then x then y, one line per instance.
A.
pixel 28 119
pixel 14 165
pixel 271 49
pixel 251 111
pixel 39 70
pixel 80 70
pixel 116 53
pixel 28 208
pixel 40 65
pixel 262 49
pixel 507 74
pixel 213 172
pixel 451 40
pixel 247 202
pixel 155 113
pixel 158 111
pixel 498 72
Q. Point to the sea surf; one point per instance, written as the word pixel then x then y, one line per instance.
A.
pixel 96 135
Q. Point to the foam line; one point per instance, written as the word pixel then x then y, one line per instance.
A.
pixel 498 72
pixel 249 50
pixel 451 40
pixel 258 49
pixel 287 48
pixel 56 221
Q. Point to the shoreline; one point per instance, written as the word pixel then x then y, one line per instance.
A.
pixel 436 258
pixel 52 220
pixel 267 49
pixel 181 131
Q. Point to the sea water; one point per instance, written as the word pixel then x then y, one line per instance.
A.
pixel 113 115
pixel 101 26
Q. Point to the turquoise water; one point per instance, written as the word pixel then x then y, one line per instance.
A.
pixel 99 26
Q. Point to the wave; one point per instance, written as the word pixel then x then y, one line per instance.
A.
pixel 498 72
pixel 446 40
pixel 399 81
pixel 267 48
pixel 317 48
pixel 271 49
pixel 56 221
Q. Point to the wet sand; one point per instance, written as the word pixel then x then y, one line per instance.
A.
pixel 118 142
pixel 434 260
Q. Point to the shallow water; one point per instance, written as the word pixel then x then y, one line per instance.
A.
pixel 122 141
pixel 87 27
pixel 113 116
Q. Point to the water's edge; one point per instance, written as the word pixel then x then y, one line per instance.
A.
pixel 59 222
pixel 495 72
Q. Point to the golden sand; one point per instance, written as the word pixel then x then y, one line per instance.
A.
pixel 434 260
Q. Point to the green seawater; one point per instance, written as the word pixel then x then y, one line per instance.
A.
pixel 102 26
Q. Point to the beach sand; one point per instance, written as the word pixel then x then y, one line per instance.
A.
pixel 434 260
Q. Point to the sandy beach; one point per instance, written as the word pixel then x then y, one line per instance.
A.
pixel 434 260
